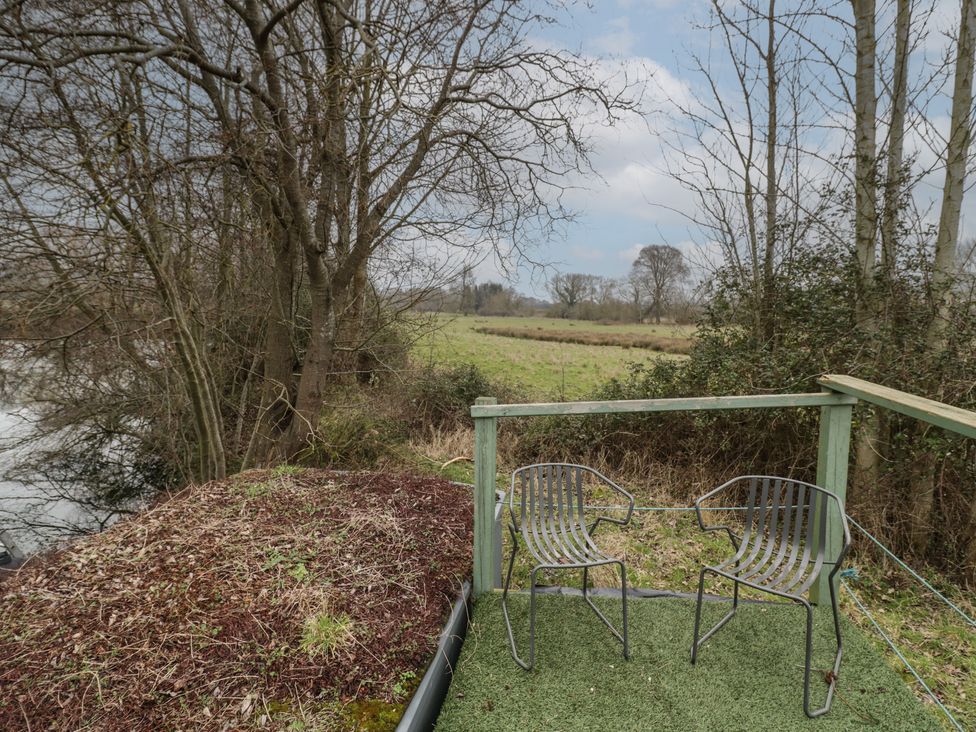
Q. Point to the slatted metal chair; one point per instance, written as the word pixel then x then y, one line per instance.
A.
pixel 546 507
pixel 780 551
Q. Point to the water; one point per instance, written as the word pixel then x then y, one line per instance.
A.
pixel 35 513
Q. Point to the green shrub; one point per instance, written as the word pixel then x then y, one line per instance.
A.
pixel 443 397
pixel 352 436
pixel 812 329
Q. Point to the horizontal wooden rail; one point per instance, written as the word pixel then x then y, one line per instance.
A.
pixel 954 419
pixel 836 404
pixel 836 410
pixel 758 401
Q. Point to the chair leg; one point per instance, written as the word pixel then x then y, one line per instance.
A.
pixel 508 621
pixel 697 642
pixel 620 637
pixel 808 660
pixel 623 605
pixel 532 618
pixel 835 669
pixel 698 605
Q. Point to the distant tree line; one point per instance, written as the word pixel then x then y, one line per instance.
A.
pixel 655 290
pixel 480 298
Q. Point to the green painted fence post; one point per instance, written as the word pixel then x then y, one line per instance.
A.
pixel 485 433
pixel 832 462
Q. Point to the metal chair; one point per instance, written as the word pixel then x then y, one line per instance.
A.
pixel 549 517
pixel 781 552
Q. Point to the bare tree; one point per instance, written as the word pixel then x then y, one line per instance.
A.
pixel 660 269
pixel 956 156
pixel 738 146
pixel 255 170
pixel 632 289
pixel 772 179
pixel 571 290
pixel 895 158
pixel 946 258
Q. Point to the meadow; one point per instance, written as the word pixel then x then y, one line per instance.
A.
pixel 543 369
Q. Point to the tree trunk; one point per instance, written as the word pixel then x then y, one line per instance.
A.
pixel 865 120
pixel 896 147
pixel 960 134
pixel 867 457
pixel 865 211
pixel 969 566
pixel 871 435
pixel 768 287
pixel 350 332
pixel 922 503
pixel 275 404
pixel 316 368
pixel 946 246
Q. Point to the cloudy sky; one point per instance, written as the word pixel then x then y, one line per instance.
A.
pixel 626 206
pixel 633 202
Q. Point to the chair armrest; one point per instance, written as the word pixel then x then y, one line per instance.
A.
pixel 701 521
pixel 607 519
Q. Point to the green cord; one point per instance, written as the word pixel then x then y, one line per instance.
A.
pixel 913 573
pixel 898 653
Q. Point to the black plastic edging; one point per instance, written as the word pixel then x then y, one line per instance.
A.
pixel 423 709
pixel 421 714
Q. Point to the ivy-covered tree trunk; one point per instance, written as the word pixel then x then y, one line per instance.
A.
pixel 865 187
pixel 945 267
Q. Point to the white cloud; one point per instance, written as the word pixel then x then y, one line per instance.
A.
pixel 627 156
pixel 587 253
pixel 618 40
pixel 630 253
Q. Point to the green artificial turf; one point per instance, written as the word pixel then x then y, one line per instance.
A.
pixel 748 677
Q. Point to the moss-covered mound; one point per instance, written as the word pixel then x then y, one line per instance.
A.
pixel 282 599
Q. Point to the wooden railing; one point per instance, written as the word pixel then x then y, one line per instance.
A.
pixel 836 402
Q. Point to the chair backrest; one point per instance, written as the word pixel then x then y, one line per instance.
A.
pixel 550 492
pixel 784 521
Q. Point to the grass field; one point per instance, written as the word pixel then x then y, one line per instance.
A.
pixel 543 369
